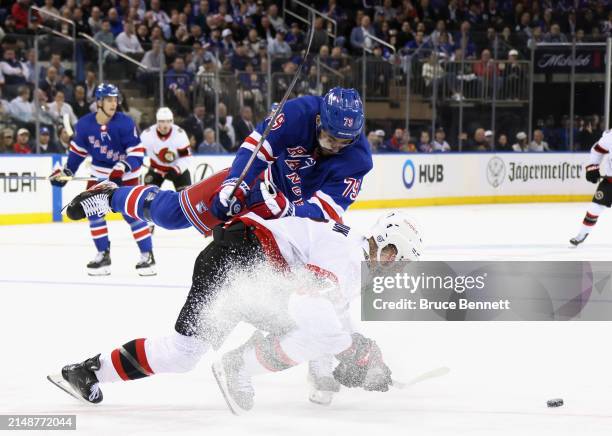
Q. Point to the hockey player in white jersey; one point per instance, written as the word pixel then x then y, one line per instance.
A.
pixel 169 151
pixel 598 170
pixel 327 256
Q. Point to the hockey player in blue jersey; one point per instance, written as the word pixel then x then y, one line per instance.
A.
pixel 311 165
pixel 111 139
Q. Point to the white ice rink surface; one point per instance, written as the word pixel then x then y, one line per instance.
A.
pixel 52 313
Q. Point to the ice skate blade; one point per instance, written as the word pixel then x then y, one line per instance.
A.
pixel 102 271
pixel 58 380
pixel 145 272
pixel 221 377
pixel 322 398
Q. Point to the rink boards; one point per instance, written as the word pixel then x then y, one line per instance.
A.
pixel 397 180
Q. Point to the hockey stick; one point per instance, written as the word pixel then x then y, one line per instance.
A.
pixel 59 178
pixel 434 373
pixel 275 113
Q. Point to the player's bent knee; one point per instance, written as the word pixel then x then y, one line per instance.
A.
pixel 175 353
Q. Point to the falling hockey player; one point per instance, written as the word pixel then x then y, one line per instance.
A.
pixel 111 139
pixel 315 155
pixel 327 256
pixel 599 163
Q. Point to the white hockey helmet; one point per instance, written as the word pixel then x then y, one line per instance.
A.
pixel 395 228
pixel 164 114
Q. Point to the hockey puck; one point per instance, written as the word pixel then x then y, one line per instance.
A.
pixel 556 402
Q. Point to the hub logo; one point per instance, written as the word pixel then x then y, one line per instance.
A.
pixel 425 173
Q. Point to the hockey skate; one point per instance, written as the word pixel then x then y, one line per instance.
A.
pixel 146 264
pixel 93 202
pixel 578 239
pixel 234 382
pixel 322 383
pixel 80 381
pixel 100 266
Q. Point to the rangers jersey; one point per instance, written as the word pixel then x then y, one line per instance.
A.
pixel 600 154
pixel 107 144
pixel 319 186
pixel 167 151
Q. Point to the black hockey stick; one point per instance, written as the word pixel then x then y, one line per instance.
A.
pixel 275 113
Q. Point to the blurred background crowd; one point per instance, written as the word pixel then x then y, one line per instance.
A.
pixel 435 75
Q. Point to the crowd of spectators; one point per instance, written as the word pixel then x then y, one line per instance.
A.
pixel 191 39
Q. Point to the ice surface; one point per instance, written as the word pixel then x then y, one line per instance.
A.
pixel 52 313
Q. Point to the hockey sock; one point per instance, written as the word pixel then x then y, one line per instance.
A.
pixel 590 218
pixel 99 232
pixel 149 203
pixel 144 357
pixel 131 200
pixel 141 234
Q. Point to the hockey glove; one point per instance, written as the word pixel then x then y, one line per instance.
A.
pixel 268 202
pixel 116 174
pixel 58 174
pixel 592 173
pixel 362 366
pixel 221 206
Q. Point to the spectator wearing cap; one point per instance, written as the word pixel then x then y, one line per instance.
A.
pixel 439 143
pixel 490 139
pixel 513 76
pixel 278 47
pixel 376 139
pixel 21 108
pixel 228 45
pixel 538 143
pixel 59 108
pixel 45 145
pixel 6 144
pixel 521 142
pixel 22 146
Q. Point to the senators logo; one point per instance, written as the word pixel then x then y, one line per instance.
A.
pixel 166 155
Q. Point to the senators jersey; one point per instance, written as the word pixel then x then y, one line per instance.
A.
pixel 167 151
pixel 600 154
pixel 319 186
pixel 107 144
pixel 331 251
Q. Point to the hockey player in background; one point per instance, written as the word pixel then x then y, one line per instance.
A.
pixel 111 139
pixel 599 163
pixel 169 150
pixel 325 259
pixel 315 157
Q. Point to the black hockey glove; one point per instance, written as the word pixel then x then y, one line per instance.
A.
pixel 362 366
pixel 57 177
pixel 592 173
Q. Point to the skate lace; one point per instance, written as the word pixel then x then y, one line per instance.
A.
pixel 94 392
pixel 96 205
pixel 99 257
pixel 144 258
